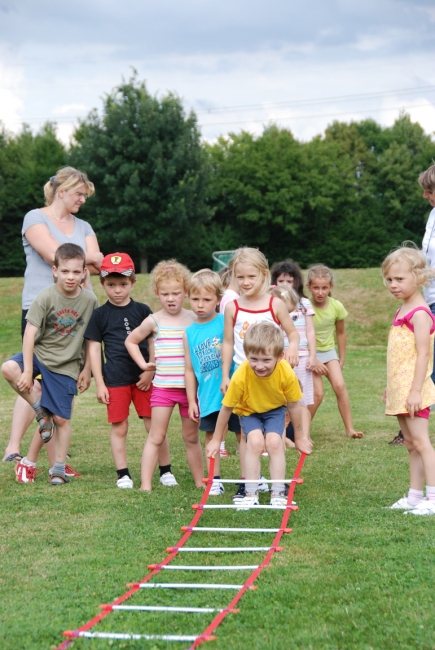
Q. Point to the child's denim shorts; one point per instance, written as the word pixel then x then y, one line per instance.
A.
pixel 270 422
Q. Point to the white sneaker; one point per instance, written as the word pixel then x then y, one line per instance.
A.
pixel 124 482
pixel 402 504
pixel 279 499
pixel 262 486
pixel 425 507
pixel 217 489
pixel 247 502
pixel 168 480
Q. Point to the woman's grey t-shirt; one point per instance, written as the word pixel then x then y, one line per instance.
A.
pixel 38 274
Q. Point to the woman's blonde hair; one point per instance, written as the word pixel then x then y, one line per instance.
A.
pixel 319 271
pixel 288 295
pixel 66 178
pixel 168 271
pixel 254 257
pixel 414 258
pixel 208 280
pixel 263 338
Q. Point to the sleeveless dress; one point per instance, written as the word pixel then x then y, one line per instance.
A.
pixel 401 360
pixel 169 357
pixel 244 318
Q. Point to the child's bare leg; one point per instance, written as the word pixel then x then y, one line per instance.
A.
pixel 242 453
pixel 189 431
pixel 118 443
pixel 276 451
pixel 422 454
pixel 164 456
pixel 217 460
pixel 12 373
pixel 254 448
pixel 36 446
pixel 63 438
pixel 22 418
pixel 335 377
pixel 319 391
pixel 159 426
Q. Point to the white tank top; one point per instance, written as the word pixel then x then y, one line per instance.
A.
pixel 244 318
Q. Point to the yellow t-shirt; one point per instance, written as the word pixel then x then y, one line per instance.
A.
pixel 248 393
pixel 324 324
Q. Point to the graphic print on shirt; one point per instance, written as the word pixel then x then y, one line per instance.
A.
pixel 244 329
pixel 209 354
pixel 65 322
pixel 127 326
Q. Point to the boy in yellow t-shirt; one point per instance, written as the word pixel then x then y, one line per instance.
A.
pixel 260 391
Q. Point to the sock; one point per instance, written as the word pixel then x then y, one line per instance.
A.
pixel 27 462
pixel 415 496
pixel 59 469
pixel 277 488
pixel 223 444
pixel 164 469
pixel 251 489
pixel 123 472
pixel 216 478
pixel 36 406
pixel 430 492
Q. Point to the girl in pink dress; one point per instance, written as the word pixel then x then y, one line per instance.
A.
pixel 410 391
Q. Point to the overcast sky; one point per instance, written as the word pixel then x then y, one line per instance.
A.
pixel 239 64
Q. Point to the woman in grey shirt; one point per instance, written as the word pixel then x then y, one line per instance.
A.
pixel 44 230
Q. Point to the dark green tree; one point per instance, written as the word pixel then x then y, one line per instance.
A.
pixel 26 163
pixel 151 175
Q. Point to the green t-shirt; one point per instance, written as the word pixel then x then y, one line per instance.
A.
pixel 324 323
pixel 61 323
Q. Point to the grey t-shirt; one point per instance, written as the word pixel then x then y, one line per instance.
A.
pixel 38 274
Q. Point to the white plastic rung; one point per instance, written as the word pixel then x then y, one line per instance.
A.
pixel 263 480
pixel 229 506
pixel 186 585
pixel 156 608
pixel 223 549
pixel 137 637
pixel 205 529
pixel 187 567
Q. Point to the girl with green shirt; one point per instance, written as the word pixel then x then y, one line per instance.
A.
pixel 329 318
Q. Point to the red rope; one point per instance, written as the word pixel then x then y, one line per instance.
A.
pixel 73 634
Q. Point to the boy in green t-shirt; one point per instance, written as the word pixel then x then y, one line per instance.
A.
pixel 260 391
pixel 53 348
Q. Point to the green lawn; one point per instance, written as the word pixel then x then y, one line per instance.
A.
pixel 353 574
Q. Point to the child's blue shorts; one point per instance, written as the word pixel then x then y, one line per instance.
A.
pixel 270 422
pixel 57 390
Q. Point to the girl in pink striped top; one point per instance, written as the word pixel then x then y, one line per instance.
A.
pixel 169 280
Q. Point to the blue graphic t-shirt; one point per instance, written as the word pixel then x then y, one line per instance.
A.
pixel 205 347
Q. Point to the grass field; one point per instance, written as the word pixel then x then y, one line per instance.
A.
pixel 353 574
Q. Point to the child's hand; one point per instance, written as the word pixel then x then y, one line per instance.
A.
pixel 413 403
pixel 224 385
pixel 103 394
pixel 145 379
pixel 341 364
pixel 384 396
pixel 25 382
pixel 311 364
pixel 84 380
pixel 193 412
pixel 213 448
pixel 303 444
pixel 291 355
pixel 149 366
pixel 320 368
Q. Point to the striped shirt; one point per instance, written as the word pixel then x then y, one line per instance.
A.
pixel 169 356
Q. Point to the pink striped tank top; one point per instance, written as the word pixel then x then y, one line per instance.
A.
pixel 244 318
pixel 169 355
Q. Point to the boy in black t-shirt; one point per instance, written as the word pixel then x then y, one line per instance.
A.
pixel 118 379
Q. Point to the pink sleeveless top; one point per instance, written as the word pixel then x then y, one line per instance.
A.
pixel 244 318
pixel 401 360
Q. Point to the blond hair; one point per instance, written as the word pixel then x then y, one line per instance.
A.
pixel 427 179
pixel 66 178
pixel 414 258
pixel 319 271
pixel 253 257
pixel 227 273
pixel 288 295
pixel 263 338
pixel 208 280
pixel 169 271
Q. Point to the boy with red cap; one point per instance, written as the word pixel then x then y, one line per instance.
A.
pixel 118 379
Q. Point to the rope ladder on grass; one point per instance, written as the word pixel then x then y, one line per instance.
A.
pixel 220 613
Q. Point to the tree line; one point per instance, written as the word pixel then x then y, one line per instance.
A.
pixel 345 198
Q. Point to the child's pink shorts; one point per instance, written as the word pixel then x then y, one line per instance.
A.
pixel 424 413
pixel 170 397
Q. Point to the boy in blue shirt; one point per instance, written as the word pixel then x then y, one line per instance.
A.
pixel 203 350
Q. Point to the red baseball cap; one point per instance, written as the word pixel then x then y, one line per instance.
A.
pixel 117 263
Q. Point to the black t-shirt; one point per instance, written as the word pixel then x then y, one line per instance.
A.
pixel 111 325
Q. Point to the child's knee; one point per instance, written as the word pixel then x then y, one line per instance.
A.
pixel 10 370
pixel 273 442
pixel 60 422
pixel 339 388
pixel 255 443
pixel 119 429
